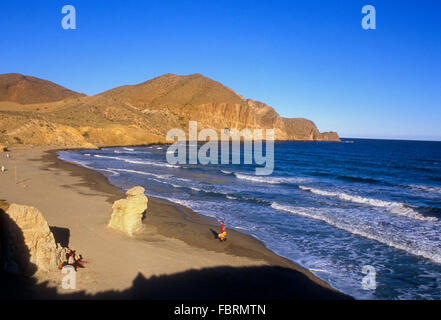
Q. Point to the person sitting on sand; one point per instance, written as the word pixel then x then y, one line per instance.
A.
pixel 73 259
pixel 223 234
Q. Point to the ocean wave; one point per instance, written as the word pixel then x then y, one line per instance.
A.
pixel 241 228
pixel 227 195
pixel 227 172
pixel 350 178
pixel 426 188
pixel 232 196
pixel 113 172
pixel 165 179
pixel 138 161
pixel 158 176
pixel 393 207
pixel 108 157
pixel 134 152
pixel 362 229
pixel 358 179
pixel 270 180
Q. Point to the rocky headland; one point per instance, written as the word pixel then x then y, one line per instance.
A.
pixel 37 112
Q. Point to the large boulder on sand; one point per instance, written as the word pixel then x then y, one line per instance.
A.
pixel 27 242
pixel 127 213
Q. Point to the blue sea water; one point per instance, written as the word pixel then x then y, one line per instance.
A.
pixel 330 207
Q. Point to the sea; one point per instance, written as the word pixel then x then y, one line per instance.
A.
pixel 363 215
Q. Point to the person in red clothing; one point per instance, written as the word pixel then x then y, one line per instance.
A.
pixel 223 234
pixel 73 259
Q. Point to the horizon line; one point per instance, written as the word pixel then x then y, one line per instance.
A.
pixel 393 139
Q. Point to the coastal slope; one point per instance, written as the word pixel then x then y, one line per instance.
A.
pixel 40 113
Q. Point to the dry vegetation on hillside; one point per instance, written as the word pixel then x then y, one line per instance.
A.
pixel 38 112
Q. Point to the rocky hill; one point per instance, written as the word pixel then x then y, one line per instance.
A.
pixel 25 89
pixel 135 114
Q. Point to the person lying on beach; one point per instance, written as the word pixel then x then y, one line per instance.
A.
pixel 223 234
pixel 73 259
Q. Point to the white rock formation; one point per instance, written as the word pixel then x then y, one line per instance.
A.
pixel 127 213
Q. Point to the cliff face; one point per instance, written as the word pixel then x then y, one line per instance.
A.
pixel 213 105
pixel 137 114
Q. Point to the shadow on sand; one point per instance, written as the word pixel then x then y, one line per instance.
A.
pixel 61 235
pixel 256 283
pixel 215 234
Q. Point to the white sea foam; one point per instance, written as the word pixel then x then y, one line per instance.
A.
pixel 226 172
pixel 318 270
pixel 129 149
pixel 113 172
pixel 361 228
pixel 393 207
pixel 140 172
pixel 186 203
pixel 135 152
pixel 108 157
pixel 159 178
pixel 83 164
pixel 158 164
pixel 270 180
pixel 426 188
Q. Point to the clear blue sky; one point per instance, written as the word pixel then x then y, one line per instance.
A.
pixel 305 58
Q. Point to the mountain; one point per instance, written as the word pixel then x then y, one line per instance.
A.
pixel 134 114
pixel 15 87
pixel 195 97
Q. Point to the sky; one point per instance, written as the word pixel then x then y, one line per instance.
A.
pixel 307 59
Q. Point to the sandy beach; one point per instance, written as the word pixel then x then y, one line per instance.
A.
pixel 174 257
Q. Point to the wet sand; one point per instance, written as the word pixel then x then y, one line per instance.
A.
pixel 175 256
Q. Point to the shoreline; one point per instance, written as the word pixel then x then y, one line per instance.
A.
pixel 195 220
pixel 175 225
